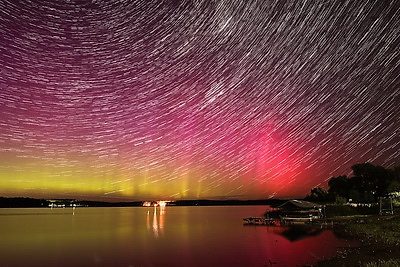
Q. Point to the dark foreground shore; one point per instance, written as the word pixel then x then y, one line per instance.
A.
pixel 380 242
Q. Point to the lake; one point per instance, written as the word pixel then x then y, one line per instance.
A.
pixel 162 236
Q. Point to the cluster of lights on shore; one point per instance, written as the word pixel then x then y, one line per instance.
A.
pixel 158 203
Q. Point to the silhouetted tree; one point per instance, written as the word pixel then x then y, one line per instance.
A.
pixel 394 185
pixel 318 194
pixel 339 186
pixel 355 196
pixel 371 178
pixel 368 183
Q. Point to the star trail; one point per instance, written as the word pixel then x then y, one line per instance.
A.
pixel 194 99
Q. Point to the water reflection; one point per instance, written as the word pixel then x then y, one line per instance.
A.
pixel 156 225
pixel 300 232
pixel 162 218
pixel 148 236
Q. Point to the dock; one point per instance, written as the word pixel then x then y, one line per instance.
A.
pixel 259 220
pixel 296 220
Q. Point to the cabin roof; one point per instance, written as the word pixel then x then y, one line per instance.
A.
pixel 299 204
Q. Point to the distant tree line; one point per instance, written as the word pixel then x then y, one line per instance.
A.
pixel 26 202
pixel 22 202
pixel 368 183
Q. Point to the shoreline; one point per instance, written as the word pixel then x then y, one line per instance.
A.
pixel 374 249
pixel 28 202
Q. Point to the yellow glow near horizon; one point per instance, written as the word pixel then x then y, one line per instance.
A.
pixel 107 181
pixel 68 181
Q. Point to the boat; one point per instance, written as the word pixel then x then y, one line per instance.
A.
pixel 300 216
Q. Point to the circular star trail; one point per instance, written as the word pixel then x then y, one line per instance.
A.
pixel 194 99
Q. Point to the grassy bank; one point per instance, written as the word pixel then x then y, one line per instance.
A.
pixel 334 211
pixel 383 229
pixel 380 238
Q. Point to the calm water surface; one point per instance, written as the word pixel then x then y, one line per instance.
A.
pixel 170 236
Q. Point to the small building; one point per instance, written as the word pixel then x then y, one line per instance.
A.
pixel 297 211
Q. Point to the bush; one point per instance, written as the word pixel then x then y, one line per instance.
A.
pixel 340 200
pixel 382 263
pixel 346 210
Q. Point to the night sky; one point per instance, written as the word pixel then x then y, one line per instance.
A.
pixel 131 100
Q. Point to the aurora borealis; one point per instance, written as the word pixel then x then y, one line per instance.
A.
pixel 194 99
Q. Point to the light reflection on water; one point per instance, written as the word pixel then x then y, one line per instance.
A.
pixel 162 236
pixel 157 225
